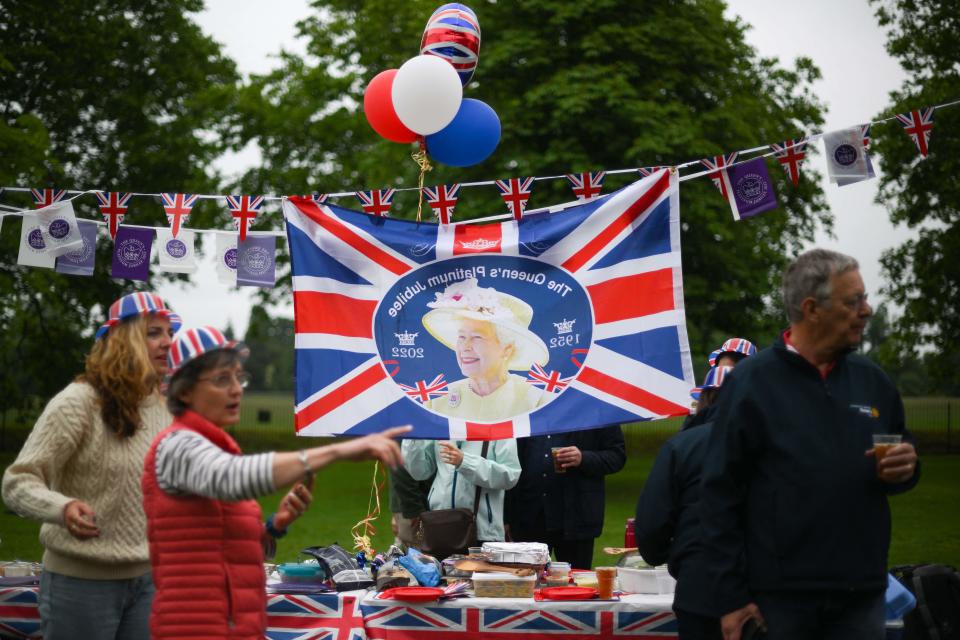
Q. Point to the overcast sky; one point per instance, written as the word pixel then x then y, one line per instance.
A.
pixel 842 38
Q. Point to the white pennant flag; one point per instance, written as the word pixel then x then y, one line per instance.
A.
pixel 846 157
pixel 176 255
pixel 58 224
pixel 33 250
pixel 226 258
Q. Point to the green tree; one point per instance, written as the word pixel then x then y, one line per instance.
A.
pixel 120 95
pixel 923 275
pixel 271 351
pixel 577 86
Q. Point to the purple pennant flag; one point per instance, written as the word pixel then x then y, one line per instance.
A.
pixel 256 266
pixel 751 189
pixel 131 253
pixel 81 261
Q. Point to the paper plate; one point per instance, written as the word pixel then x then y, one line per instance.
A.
pixel 413 594
pixel 568 593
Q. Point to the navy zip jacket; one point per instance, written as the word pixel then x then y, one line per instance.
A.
pixel 667 523
pixel 789 501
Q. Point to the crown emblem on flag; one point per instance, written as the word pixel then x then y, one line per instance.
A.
pixel 564 326
pixel 407 339
pixel 479 244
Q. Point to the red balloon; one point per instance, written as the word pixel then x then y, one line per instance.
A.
pixel 378 106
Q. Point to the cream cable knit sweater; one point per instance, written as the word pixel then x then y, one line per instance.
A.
pixel 71 454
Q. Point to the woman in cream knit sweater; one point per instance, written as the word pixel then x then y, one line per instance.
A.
pixel 79 473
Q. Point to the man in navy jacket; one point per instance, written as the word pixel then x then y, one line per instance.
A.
pixel 796 524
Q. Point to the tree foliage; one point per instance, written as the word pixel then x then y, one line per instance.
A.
pixel 271 351
pixel 122 95
pixel 923 275
pixel 577 86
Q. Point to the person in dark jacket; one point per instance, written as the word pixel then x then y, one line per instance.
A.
pixel 667 523
pixel 796 525
pixel 408 499
pixel 564 510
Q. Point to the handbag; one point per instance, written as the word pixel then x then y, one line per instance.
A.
pixel 444 532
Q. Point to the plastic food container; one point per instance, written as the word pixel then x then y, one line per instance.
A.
pixel 559 569
pixel 657 580
pixel 585 579
pixel 503 585
pixel 292 572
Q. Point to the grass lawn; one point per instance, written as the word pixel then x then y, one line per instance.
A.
pixel 926 520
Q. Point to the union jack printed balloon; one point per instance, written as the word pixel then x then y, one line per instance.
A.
pixel 453 33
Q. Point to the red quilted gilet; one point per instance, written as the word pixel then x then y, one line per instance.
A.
pixel 207 554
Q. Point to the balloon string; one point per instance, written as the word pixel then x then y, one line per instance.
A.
pixel 363 530
pixel 420 157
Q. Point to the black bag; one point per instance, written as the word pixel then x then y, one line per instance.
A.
pixel 937 590
pixel 332 559
pixel 444 532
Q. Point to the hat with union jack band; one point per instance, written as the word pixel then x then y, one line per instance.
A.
pixel 190 344
pixel 134 304
pixel 740 346
pixel 714 378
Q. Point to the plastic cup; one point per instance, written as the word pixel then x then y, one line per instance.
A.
pixel 883 442
pixel 605 580
pixel 557 466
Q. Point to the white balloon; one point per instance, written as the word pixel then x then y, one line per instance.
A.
pixel 426 94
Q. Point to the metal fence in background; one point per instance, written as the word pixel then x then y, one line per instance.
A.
pixel 267 424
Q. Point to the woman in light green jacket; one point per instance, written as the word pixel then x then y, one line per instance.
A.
pixel 460 470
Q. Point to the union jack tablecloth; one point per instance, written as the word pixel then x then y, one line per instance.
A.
pixel 328 616
pixel 634 616
pixel 19 616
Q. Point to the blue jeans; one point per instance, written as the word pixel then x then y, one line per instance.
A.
pixel 825 615
pixel 80 609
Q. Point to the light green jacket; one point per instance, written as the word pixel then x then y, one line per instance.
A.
pixel 456 487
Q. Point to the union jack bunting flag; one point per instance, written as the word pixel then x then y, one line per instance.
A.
pixel 244 210
pixel 586 185
pixel 177 207
pixel 919 126
pixel 316 196
pixel 566 621
pixel 719 162
pixel 551 381
pixel 649 171
pixel 314 617
pixel 19 616
pixel 423 391
pixel 791 154
pixel 516 192
pixel 113 207
pixel 442 199
pixel 865 131
pixel 592 292
pixel 46 197
pixel 376 202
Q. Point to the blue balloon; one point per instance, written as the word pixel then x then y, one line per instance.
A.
pixel 470 138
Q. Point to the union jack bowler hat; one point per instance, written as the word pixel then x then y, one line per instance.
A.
pixel 739 346
pixel 714 378
pixel 134 304
pixel 193 343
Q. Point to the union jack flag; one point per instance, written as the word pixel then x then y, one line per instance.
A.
pixel 719 163
pixel 586 185
pixel 612 264
pixel 316 196
pixel 315 617
pixel 515 192
pixel 791 154
pixel 551 381
pixel 113 206
pixel 244 210
pixel 566 621
pixel 865 132
pixel 46 197
pixel 376 202
pixel 649 171
pixel 423 391
pixel 442 199
pixel 19 616
pixel 177 207
pixel 919 126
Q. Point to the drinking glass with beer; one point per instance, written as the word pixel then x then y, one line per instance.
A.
pixel 557 465
pixel 883 442
pixel 605 580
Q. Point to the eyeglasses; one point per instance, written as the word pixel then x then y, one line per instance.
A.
pixel 856 301
pixel 224 380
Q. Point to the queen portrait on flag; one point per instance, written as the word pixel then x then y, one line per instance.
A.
pixel 489 332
